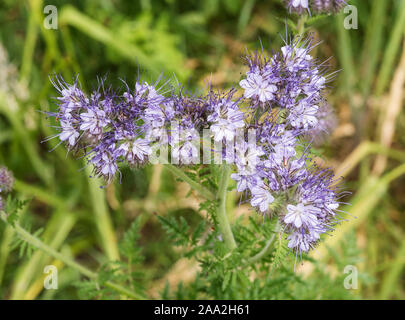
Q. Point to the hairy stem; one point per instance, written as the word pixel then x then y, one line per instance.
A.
pixel 34 241
pixel 301 25
pixel 267 248
pixel 193 184
pixel 223 222
pixel 102 218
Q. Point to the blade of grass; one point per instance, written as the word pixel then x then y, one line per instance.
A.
pixel 5 245
pixel 52 50
pixel 29 47
pixel 245 15
pixel 34 241
pixel 373 44
pixel 43 195
pixel 390 113
pixel 344 48
pixel 102 217
pixel 363 150
pixel 71 16
pixel 391 51
pixel 5 249
pixel 363 203
pixel 38 285
pixel 393 275
pixel 55 234
pixel 42 170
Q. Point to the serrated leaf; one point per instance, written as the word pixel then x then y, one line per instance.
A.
pixel 226 281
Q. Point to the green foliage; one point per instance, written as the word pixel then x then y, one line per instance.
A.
pixel 274 279
pixel 25 249
pixel 12 208
pixel 196 40
pixel 124 272
pixel 224 273
pixel 281 251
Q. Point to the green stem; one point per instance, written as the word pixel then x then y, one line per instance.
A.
pixel 34 241
pixel 193 184
pixel 5 246
pixel 223 222
pixel 301 25
pixel 29 48
pixel 267 248
pixel 55 233
pixel 102 218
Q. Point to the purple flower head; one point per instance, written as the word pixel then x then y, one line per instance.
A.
pixel 301 215
pixel 297 6
pixel 6 180
pixel 110 128
pixel 313 210
pixel 261 198
pixel 6 184
pixel 304 115
pixel 69 133
pixel 317 6
pixel 327 122
pixel 185 143
pixel 71 97
pixel 328 6
pixel 262 78
pixel 136 151
pixel 93 120
pixel 288 86
pixel 246 181
pixel 225 121
pixel 104 158
pixel 257 87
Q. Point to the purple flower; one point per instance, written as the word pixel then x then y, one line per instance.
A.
pixel 6 184
pixel 72 98
pixel 297 6
pixel 185 144
pixel 328 6
pixel 327 122
pixel 261 198
pixel 93 121
pixel 248 158
pixel 315 211
pixel 136 151
pixel 256 87
pixel 6 180
pixel 283 101
pixel 105 162
pixel 244 181
pixel 69 133
pixel 300 241
pixel 300 215
pixel 304 115
pixel 318 6
pixel 290 82
pixel 226 127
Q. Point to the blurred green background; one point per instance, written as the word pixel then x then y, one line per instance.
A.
pixel 197 41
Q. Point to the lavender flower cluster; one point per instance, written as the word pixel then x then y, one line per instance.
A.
pixel 285 96
pixel 282 103
pixel 318 6
pixel 6 184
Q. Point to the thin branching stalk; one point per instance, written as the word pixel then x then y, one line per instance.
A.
pixel 222 218
pixel 34 241
pixel 267 248
pixel 301 25
pixel 193 184
pixel 103 219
